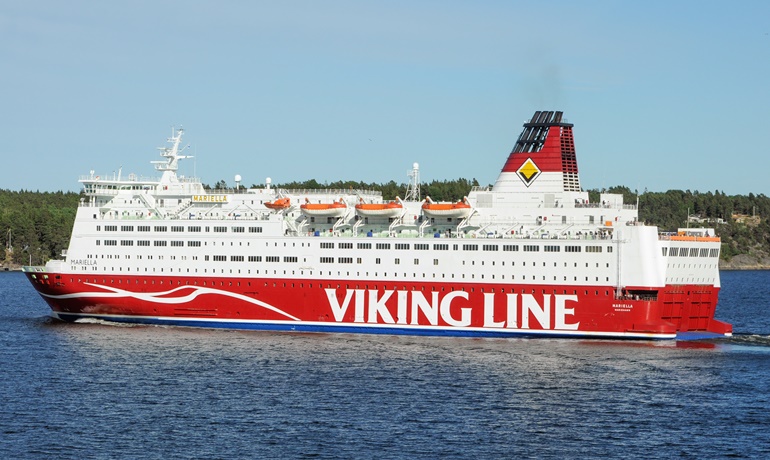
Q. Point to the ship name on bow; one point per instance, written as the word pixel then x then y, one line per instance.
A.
pixel 83 262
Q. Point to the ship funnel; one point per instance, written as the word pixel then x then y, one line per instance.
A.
pixel 543 159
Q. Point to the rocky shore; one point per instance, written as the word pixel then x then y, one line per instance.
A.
pixel 746 262
pixel 10 268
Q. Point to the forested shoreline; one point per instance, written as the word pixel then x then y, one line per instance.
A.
pixel 38 224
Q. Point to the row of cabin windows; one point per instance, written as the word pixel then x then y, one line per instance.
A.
pixel 385 274
pixel 328 260
pixel 359 260
pixel 513 277
pixel 222 258
pixel 179 243
pixel 691 252
pixel 198 243
pixel 178 228
pixel 468 247
pixel 405 275
pixel 176 243
pixel 349 260
pixel 157 243
pixel 667 252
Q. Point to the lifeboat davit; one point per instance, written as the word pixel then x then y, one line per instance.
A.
pixel 461 209
pixel 279 204
pixel 389 209
pixel 334 209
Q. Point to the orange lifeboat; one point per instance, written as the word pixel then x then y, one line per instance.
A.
pixel 279 204
pixel 334 209
pixel 389 209
pixel 461 209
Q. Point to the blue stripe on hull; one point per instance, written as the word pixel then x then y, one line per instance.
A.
pixel 699 335
pixel 304 327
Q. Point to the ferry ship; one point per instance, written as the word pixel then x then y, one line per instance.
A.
pixel 529 256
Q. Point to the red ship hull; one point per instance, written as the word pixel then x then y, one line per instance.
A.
pixel 414 308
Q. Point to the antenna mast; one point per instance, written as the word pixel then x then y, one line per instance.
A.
pixel 413 187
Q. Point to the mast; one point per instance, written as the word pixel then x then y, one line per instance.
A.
pixel 413 187
pixel 173 153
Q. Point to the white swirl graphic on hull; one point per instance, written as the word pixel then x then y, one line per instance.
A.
pixel 156 297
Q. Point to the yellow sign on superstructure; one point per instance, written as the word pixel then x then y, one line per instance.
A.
pixel 209 198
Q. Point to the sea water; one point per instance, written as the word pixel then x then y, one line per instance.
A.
pixel 99 390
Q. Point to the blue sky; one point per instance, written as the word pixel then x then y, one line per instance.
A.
pixel 663 94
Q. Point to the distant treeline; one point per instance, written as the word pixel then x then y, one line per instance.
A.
pixel 747 233
pixel 39 223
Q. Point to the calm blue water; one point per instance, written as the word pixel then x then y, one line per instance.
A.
pixel 105 391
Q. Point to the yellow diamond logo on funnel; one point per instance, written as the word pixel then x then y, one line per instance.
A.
pixel 528 171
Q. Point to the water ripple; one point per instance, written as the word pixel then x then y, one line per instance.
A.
pixel 101 390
